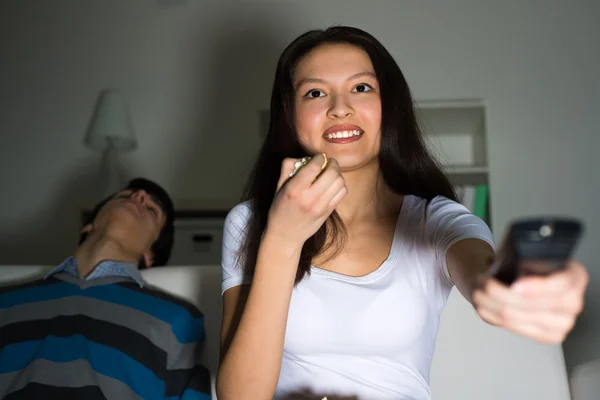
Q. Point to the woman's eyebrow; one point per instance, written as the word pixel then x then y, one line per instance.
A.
pixel 304 81
pixel 362 74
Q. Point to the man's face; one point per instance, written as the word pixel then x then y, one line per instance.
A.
pixel 133 219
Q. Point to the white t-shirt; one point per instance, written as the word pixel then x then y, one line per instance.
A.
pixel 371 336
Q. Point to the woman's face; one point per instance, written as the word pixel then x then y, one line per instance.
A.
pixel 337 105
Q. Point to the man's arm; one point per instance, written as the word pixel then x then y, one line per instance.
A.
pixel 199 386
pixel 186 377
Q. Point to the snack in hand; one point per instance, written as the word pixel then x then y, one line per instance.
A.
pixel 303 161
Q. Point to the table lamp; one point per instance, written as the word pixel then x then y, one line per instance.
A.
pixel 111 133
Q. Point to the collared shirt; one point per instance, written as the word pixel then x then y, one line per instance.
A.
pixel 103 269
pixel 99 337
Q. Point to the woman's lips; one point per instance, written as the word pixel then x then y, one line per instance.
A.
pixel 342 134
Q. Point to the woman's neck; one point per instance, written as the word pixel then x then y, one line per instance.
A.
pixel 368 196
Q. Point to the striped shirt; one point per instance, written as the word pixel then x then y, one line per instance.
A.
pixel 64 337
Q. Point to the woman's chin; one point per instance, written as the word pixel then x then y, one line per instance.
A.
pixel 349 163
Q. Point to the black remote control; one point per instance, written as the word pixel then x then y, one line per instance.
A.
pixel 536 246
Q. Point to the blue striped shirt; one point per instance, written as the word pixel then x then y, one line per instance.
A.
pixel 99 338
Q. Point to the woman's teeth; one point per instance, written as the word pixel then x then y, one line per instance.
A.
pixel 343 134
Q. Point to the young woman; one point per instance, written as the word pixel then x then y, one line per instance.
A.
pixel 334 278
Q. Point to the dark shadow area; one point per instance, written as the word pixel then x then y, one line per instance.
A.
pixel 231 88
pixel 49 235
pixel 307 394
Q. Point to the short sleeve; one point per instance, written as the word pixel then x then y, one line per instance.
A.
pixel 234 231
pixel 449 222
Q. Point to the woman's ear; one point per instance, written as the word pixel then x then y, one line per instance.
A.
pixel 86 228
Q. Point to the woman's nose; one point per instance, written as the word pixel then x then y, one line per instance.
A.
pixel 340 107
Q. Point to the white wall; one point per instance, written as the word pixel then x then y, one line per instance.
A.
pixel 196 75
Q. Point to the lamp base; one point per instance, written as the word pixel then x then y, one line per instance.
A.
pixel 112 181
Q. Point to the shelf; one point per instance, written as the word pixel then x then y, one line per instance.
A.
pixel 449 104
pixel 466 170
pixel 454 132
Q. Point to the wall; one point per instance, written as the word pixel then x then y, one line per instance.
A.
pixel 197 74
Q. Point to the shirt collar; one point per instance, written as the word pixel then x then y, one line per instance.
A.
pixel 103 269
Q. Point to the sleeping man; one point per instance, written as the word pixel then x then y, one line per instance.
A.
pixel 92 329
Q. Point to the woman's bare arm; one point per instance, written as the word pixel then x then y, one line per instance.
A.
pixel 254 321
pixel 255 318
pixel 468 259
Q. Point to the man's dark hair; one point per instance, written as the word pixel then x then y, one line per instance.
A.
pixel 161 249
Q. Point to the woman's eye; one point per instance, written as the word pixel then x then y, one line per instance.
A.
pixel 313 94
pixel 363 87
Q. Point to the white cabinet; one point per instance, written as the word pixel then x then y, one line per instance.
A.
pixel 198 240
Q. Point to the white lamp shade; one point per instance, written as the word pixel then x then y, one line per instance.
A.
pixel 110 124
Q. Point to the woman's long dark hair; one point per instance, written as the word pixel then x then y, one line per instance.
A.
pixel 406 166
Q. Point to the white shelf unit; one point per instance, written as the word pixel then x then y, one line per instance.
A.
pixel 456 135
